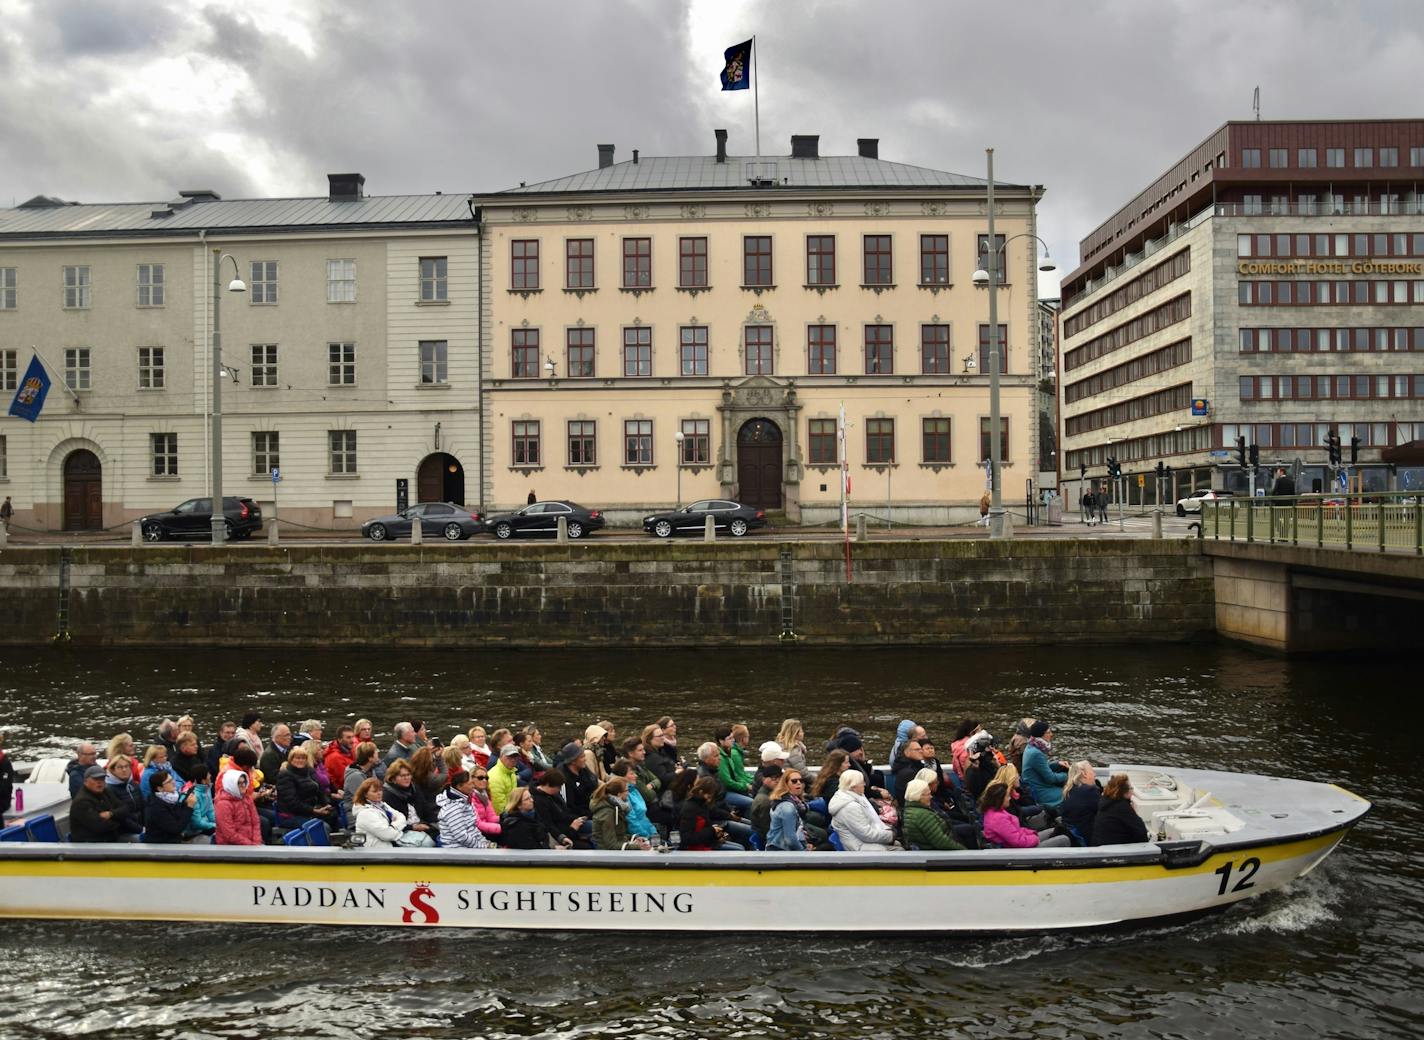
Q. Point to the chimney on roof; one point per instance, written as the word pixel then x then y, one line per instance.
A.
pixel 635 157
pixel 869 147
pixel 200 195
pixel 805 146
pixel 605 156
pixel 345 187
pixel 721 136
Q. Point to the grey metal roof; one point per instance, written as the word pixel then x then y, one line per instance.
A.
pixel 233 214
pixel 705 173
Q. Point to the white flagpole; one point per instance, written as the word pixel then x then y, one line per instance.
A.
pixel 756 100
pixel 58 377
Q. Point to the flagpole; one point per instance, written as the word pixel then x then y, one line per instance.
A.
pixel 845 493
pixel 756 100
pixel 58 378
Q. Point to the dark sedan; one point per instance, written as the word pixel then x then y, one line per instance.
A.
pixel 729 517
pixel 194 519
pixel 443 519
pixel 543 518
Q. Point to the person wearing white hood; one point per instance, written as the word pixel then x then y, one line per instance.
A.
pixel 855 819
pixel 381 825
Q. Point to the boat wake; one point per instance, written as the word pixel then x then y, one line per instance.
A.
pixel 1302 905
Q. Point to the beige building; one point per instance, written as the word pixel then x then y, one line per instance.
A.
pixel 689 327
pixel 352 355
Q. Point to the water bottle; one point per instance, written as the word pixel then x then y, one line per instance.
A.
pixel 19 800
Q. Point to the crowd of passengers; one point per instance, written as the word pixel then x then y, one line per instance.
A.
pixel 645 791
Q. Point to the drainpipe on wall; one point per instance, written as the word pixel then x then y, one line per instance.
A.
pixel 207 367
pixel 481 352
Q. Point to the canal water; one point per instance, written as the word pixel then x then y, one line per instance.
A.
pixel 1337 955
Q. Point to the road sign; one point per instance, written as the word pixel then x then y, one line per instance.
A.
pixel 1141 479
pixel 402 494
pixel 1200 406
pixel 276 474
pixel 1218 453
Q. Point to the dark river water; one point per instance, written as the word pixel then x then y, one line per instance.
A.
pixel 1339 954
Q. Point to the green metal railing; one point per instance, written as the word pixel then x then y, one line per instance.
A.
pixel 1378 521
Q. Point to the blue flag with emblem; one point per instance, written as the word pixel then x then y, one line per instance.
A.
pixel 30 396
pixel 737 74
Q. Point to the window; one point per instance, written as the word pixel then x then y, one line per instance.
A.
pixel 583 441
pixel 1250 158
pixel 578 263
pixel 524 264
pixel 150 368
pixel 150 285
pixel 637 263
pixel 822 443
pixel 638 442
pixel 638 351
pixel 1389 156
pixel 76 287
pixel 820 259
pixel 996 258
pixel 76 368
pixel 434 285
pixel 341 281
pixel 1416 156
pixel 524 361
pixel 879 350
pixel 4 458
pixel 263 287
pixel 342 451
pixel 821 350
pixel 579 345
pixel 879 264
pixel 1278 158
pixel 756 261
pixel 693 350
pixel 266 453
pixel 7 288
pixel 1251 205
pixel 984 368
pixel 696 442
pixel 692 263
pixel 879 442
pixel 935 441
pixel 1305 158
pixel 1335 157
pixel 934 349
pixel 934 259
pixel 1003 438
pixel 164 451
pixel 9 370
pixel 264 364
pixel 341 364
pixel 758 350
pixel 1364 157
pixel 434 362
pixel 526 442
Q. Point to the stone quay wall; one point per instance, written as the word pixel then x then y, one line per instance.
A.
pixel 689 594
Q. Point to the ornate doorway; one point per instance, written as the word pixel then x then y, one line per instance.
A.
pixel 83 492
pixel 759 464
pixel 440 478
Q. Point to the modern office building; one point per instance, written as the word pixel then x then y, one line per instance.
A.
pixel 690 327
pixel 1268 286
pixel 350 358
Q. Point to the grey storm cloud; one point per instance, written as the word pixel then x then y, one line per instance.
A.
pixel 1092 99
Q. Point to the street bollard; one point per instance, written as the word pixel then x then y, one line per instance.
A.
pixel 417 533
pixel 562 534
pixel 272 535
pixel 709 531
pixel 861 534
pixel 136 536
pixel 1157 523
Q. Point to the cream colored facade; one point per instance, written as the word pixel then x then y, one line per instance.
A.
pixel 370 387
pixel 734 390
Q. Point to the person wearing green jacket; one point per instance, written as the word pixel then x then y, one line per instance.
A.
pixel 610 817
pixel 503 777
pixel 922 826
pixel 730 769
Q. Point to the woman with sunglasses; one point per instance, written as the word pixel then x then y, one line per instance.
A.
pixel 486 819
pixel 788 809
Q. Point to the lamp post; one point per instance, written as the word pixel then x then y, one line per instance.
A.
pixel 679 436
pixel 989 275
pixel 219 514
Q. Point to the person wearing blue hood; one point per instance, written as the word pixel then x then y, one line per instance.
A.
pixel 1042 777
pixel 903 732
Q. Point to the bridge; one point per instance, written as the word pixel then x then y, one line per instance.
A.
pixel 1313 573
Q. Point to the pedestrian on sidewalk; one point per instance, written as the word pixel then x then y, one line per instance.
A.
pixel 1102 501
pixel 984 509
pixel 6 512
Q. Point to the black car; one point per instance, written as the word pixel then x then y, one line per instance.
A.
pixel 445 519
pixel 543 518
pixel 194 519
pixel 727 516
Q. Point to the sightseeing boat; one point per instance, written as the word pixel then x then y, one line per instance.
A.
pixel 1221 838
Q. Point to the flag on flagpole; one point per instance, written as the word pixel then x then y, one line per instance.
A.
pixel 30 396
pixel 737 73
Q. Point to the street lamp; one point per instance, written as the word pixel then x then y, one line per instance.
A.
pixel 219 514
pixel 550 365
pixel 679 436
pixel 988 275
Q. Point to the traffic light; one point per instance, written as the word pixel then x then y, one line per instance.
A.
pixel 1161 468
pixel 1114 470
pixel 1255 456
pixel 1241 452
pixel 1082 470
pixel 1354 450
pixel 1332 447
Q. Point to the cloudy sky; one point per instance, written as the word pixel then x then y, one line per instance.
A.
pixel 127 100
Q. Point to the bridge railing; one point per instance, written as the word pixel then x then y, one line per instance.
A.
pixel 1378 521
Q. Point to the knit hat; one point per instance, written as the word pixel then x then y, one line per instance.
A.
pixel 457 778
pixel 771 752
pixel 850 742
pixel 915 790
pixel 1038 729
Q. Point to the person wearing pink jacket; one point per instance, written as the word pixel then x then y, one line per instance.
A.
pixel 486 819
pixel 1003 829
pixel 237 820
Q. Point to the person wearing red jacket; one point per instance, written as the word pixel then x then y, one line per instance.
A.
pixel 339 754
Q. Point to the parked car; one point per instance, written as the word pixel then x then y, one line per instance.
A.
pixel 543 518
pixel 1193 502
pixel 731 517
pixel 194 519
pixel 445 519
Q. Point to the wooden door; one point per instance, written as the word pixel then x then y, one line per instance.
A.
pixel 430 481
pixel 83 492
pixel 759 464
